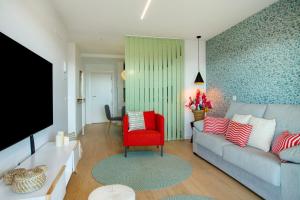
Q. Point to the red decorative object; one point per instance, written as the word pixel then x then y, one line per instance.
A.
pixel 284 141
pixel 216 125
pixel 148 137
pixel 238 133
pixel 200 102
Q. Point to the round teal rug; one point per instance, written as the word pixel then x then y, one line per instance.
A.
pixel 187 197
pixel 142 170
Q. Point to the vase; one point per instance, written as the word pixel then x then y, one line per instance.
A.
pixel 198 114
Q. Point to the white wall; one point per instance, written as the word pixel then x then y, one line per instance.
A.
pixel 35 25
pixel 190 72
pixel 75 122
pixel 105 66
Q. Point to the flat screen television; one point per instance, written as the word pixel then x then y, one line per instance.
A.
pixel 26 92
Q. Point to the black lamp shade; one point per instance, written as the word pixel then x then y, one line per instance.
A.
pixel 199 79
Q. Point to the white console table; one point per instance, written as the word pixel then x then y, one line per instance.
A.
pixel 61 162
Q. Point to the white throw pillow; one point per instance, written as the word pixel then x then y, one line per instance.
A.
pixel 136 121
pixel 242 119
pixel 262 133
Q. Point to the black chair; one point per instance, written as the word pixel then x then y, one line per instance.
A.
pixel 110 118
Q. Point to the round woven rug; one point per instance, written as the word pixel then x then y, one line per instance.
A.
pixel 188 197
pixel 142 170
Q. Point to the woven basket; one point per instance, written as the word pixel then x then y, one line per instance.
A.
pixel 198 114
pixel 9 176
pixel 29 181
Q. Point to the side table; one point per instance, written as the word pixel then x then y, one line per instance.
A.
pixel 113 192
pixel 192 126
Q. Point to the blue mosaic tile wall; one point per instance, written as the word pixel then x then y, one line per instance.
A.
pixel 258 60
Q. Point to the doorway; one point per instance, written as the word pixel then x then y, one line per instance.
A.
pixel 101 94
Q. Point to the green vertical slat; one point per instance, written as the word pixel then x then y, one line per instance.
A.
pixel 178 91
pixel 155 89
pixel 146 48
pixel 136 74
pixel 151 77
pixel 170 135
pixel 165 86
pixel 174 90
pixel 142 76
pixel 160 77
pixel 181 86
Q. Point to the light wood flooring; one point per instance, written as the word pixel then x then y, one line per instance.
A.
pixel 206 179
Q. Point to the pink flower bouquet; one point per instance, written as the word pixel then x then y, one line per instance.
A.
pixel 200 102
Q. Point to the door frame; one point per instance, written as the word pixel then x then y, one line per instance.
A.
pixel 88 104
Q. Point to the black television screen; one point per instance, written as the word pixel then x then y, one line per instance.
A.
pixel 26 92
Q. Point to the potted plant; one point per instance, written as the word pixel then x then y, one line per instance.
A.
pixel 199 105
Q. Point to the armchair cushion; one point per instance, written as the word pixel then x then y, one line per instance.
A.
pixel 149 117
pixel 143 138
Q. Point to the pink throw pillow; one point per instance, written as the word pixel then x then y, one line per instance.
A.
pixel 284 141
pixel 238 133
pixel 215 125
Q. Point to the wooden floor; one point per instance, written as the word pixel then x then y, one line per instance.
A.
pixel 205 180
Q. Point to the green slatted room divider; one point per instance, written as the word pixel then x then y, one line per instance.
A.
pixel 154 79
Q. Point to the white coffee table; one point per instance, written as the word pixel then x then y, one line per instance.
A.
pixel 113 192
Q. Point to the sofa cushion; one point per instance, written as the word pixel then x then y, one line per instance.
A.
pixel 216 125
pixel 212 142
pixel 287 117
pixel 243 119
pixel 263 165
pixel 238 133
pixel 262 133
pixel 199 125
pixel 256 110
pixel 291 154
pixel 284 141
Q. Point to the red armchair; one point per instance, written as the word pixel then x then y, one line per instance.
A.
pixel 153 135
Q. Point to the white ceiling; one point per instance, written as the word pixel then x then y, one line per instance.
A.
pixel 99 26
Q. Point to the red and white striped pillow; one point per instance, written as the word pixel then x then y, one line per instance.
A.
pixel 238 133
pixel 215 125
pixel 284 141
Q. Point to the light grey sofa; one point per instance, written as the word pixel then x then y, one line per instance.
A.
pixel 260 171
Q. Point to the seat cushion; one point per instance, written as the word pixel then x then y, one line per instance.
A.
pixel 143 138
pixel 212 142
pixel 149 117
pixel 257 110
pixel 263 165
pixel 287 117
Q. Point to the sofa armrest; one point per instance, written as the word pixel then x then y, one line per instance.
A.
pixel 199 125
pixel 125 130
pixel 290 181
pixel 160 126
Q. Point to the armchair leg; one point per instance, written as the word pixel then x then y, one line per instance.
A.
pixel 162 151
pixel 125 152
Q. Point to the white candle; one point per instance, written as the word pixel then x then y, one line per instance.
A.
pixel 59 141
pixel 66 140
pixel 60 133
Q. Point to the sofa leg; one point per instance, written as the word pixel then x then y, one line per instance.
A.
pixel 125 152
pixel 162 151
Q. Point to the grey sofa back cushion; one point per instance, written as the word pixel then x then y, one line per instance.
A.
pixel 287 117
pixel 257 110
